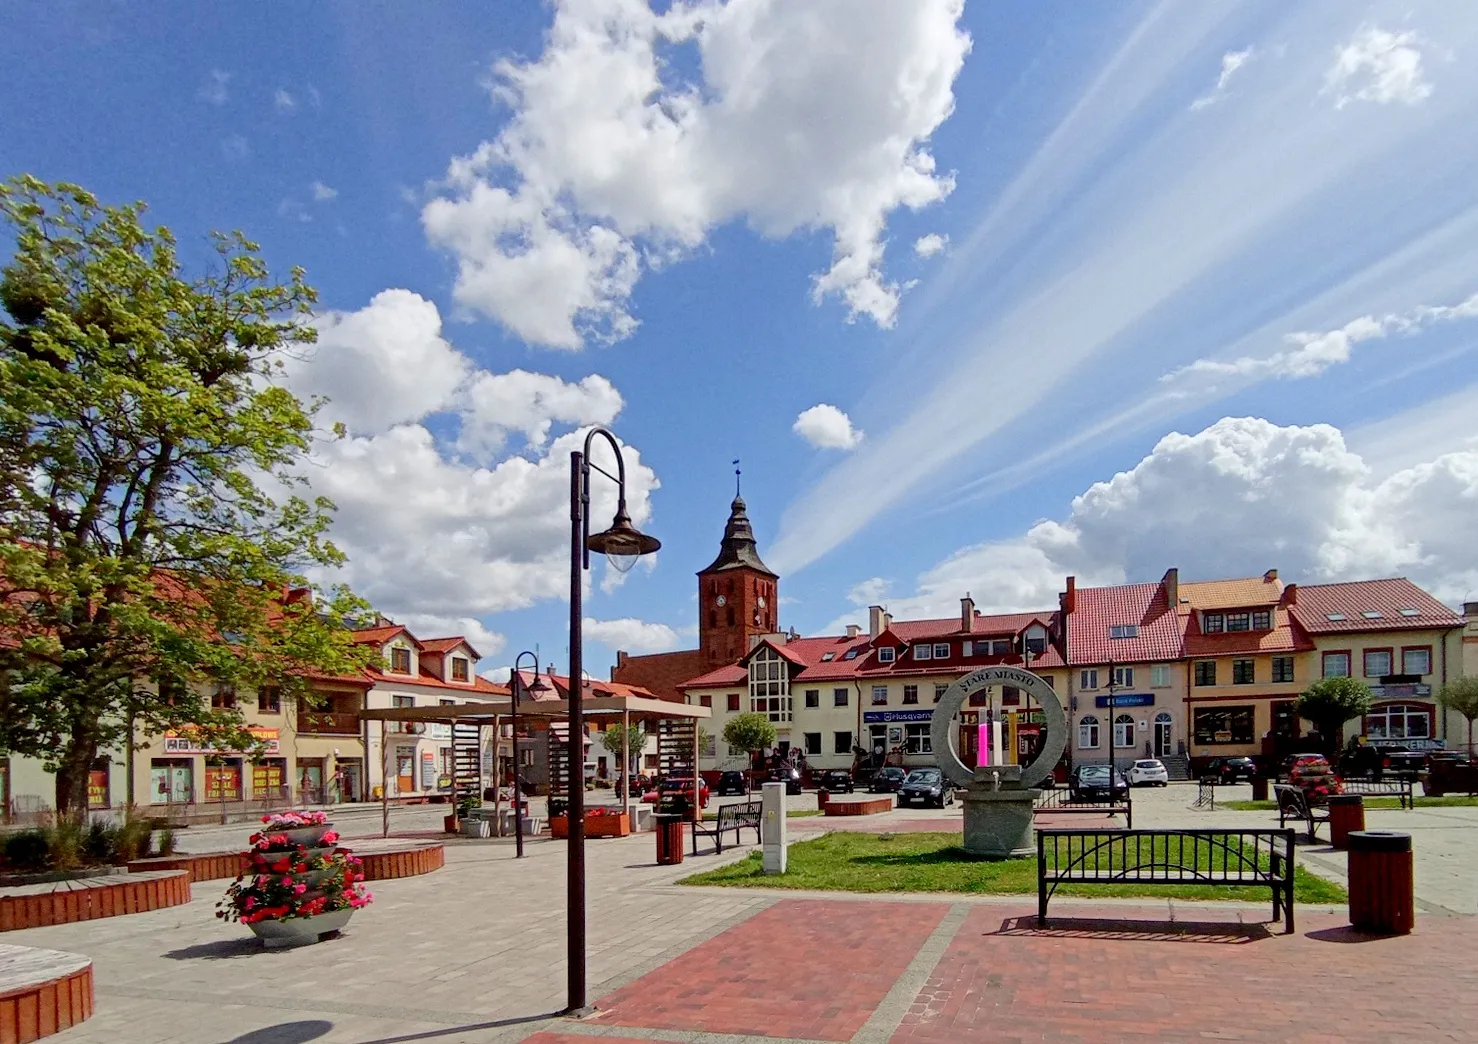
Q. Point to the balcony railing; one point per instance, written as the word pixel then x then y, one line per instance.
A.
pixel 330 723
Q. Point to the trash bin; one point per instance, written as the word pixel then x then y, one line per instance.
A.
pixel 1382 893
pixel 1259 788
pixel 823 798
pixel 1346 814
pixel 669 839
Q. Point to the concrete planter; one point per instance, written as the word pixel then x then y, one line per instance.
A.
pixel 300 931
pixel 305 835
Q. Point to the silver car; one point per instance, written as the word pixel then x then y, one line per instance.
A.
pixel 1149 772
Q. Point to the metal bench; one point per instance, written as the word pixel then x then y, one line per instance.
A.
pixel 1293 803
pixel 1060 799
pixel 1254 858
pixel 1385 786
pixel 733 817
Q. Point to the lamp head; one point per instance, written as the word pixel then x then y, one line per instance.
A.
pixel 623 543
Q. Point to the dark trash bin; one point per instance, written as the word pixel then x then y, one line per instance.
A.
pixel 1382 892
pixel 1346 815
pixel 1259 788
pixel 669 839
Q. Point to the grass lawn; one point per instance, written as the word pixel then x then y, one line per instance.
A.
pixel 928 862
pixel 1447 801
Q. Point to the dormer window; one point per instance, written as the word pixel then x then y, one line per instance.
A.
pixel 1262 621
pixel 923 652
pixel 941 651
pixel 400 660
pixel 1213 623
pixel 460 668
pixel 1239 621
pixel 885 654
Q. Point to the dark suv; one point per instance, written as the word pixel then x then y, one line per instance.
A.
pixel 887 780
pixel 730 783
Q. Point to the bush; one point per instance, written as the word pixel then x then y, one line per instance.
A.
pixel 133 837
pixel 28 850
pixel 101 842
pixel 68 840
pixel 167 841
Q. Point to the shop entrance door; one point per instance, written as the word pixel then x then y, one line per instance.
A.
pixel 1164 743
pixel 405 770
pixel 353 779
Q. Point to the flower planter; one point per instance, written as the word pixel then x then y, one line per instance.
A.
pixel 299 931
pixel 308 836
pixel 596 825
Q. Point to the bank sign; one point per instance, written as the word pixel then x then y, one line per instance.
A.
pixel 1126 699
pixel 894 717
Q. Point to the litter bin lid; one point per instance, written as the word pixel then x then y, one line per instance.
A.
pixel 1346 799
pixel 1379 841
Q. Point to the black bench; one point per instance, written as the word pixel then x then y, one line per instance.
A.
pixel 735 817
pixel 1061 800
pixel 1261 858
pixel 1385 786
pixel 1293 803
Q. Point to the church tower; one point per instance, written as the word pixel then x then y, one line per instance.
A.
pixel 737 594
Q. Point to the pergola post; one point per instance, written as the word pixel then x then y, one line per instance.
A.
pixel 626 763
pixel 384 784
pixel 497 774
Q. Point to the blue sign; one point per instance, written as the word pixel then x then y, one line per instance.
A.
pixel 1127 699
pixel 874 717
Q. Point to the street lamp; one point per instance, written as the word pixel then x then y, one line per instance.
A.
pixel 622 544
pixel 517 689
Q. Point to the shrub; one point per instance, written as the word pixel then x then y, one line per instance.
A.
pixel 167 841
pixel 28 850
pixel 67 839
pixel 133 837
pixel 100 846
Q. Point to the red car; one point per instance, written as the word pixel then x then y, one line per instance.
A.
pixel 677 786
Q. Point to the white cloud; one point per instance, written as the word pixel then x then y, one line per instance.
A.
pixel 235 147
pixel 826 427
pixel 284 101
pixel 488 643
pixel 871 591
pixel 800 118
pixel 213 91
pixel 632 635
pixel 928 246
pixel 1230 63
pixel 322 193
pixel 497 403
pixel 1379 66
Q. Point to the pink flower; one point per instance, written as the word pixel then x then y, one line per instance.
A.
pixel 299 889
pixel 250 903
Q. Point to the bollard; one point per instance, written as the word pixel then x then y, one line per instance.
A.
pixel 1382 891
pixel 1346 815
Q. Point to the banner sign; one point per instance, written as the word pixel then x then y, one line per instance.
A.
pixel 190 743
pixel 895 716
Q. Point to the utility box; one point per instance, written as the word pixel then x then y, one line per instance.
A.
pixel 773 827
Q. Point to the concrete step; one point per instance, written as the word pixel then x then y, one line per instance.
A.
pixel 1177 765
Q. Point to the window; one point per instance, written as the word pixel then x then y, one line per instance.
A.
pixel 941 651
pixel 910 694
pixel 1036 646
pixel 939 691
pixel 1123 731
pixel 729 616
pixel 1262 621
pixel 1411 612
pixel 923 652
pixel 459 668
pixel 1000 647
pixel 402 701
pixel 916 738
pixel 706 700
pixel 1213 623
pixel 1336 665
pixel 813 698
pixel 1205 672
pixel 1212 725
pixel 1377 663
pixel 1124 631
pixel 769 685
pixel 851 654
pixel 733 701
pixel 1160 676
pixel 223 696
pixel 841 743
pixel 1239 621
pixel 1088 732
pixel 813 743
pixel 1242 672
pixel 1088 679
pixel 838 697
pixel 1416 661
pixel 879 694
pixel 1371 614
pixel 1124 676
pixel 828 657
pixel 1335 617
pixel 400 660
pixel 269 700
pixel 1282 668
pixel 1399 721
pixel 886 653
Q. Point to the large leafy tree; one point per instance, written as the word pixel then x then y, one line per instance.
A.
pixel 1461 695
pixel 751 733
pixel 151 521
pixel 626 744
pixel 1329 703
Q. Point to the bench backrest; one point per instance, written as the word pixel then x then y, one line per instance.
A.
pixel 1291 799
pixel 745 814
pixel 1220 856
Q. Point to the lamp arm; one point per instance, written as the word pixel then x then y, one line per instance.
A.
pixel 620 465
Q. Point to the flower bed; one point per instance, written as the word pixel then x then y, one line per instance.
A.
pixel 1315 777
pixel 599 822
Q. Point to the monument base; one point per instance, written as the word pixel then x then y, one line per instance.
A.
pixel 998 823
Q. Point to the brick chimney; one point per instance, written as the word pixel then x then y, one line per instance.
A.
pixel 877 621
pixel 1171 583
pixel 1270 576
pixel 853 630
pixel 1069 599
pixel 967 613
pixel 1470 610
pixel 1290 594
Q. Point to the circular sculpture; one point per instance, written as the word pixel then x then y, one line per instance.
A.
pixel 941 733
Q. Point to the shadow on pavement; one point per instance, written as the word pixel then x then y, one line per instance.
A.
pixel 433 1034
pixel 1225 932
pixel 285 1033
pixel 1346 934
pixel 220 950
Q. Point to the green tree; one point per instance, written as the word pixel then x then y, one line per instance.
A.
pixel 750 733
pixel 626 744
pixel 151 519
pixel 1329 703
pixel 1461 695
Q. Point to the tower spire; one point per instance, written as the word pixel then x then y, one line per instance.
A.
pixel 737 473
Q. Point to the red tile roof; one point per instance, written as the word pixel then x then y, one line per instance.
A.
pixel 478 684
pixel 446 645
pixel 557 686
pixel 662 674
pixel 381 635
pixel 1286 636
pixel 1146 606
pixel 1242 593
pixel 1314 604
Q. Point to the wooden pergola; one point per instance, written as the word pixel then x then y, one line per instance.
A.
pixel 494 710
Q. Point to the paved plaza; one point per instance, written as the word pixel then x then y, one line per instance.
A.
pixel 475 952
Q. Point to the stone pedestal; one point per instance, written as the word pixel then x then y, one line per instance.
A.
pixel 998 823
pixel 773 827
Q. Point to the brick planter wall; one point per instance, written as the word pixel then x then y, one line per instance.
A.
pixel 206 866
pixel 385 866
pixel 866 807
pixel 91 898
pixel 42 992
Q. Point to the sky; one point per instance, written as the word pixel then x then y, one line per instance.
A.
pixel 980 295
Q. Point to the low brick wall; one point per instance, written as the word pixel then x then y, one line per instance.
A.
pixel 865 807
pixel 91 898
pixel 408 862
pixel 205 866
pixel 42 992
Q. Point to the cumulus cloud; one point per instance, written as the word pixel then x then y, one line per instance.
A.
pixel 488 643
pixel 826 427
pixel 322 193
pixel 796 118
pixel 1240 497
pixel 497 403
pixel 1230 63
pixel 871 591
pixel 632 635
pixel 214 91
pixel 284 101
pixel 1379 66
pixel 928 246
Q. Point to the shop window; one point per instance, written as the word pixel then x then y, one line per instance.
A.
pixel 400 660
pixel 838 697
pixel 1416 661
pixel 1205 672
pixel 223 781
pixel 841 743
pixel 1160 676
pixel 1088 732
pixel 1399 721
pixel 171 781
pixel 910 694
pixel 813 743
pixel 1282 668
pixel 1243 672
pixel 733 701
pixel 1214 725
pixel 879 695
pixel 1377 663
pixel 916 738
pixel 268 779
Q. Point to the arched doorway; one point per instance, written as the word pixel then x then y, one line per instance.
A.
pixel 1164 734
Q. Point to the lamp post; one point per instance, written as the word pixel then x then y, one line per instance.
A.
pixel 622 544
pixel 517 689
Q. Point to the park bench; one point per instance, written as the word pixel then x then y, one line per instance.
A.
pixel 1060 800
pixel 1386 786
pixel 735 817
pixel 1262 858
pixel 1293 803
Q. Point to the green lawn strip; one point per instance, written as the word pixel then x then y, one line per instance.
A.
pixel 934 862
pixel 1449 801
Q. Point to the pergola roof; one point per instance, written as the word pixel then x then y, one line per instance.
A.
pixel 485 710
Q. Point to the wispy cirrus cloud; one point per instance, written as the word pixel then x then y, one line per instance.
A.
pixel 1230 63
pixel 1378 65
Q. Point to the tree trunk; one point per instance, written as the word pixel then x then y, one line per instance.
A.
pixel 72 775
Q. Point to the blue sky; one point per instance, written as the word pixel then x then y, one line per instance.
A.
pixel 1086 289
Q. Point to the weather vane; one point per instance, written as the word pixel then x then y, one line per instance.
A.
pixel 736 478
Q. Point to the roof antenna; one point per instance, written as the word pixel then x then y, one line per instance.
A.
pixel 736 479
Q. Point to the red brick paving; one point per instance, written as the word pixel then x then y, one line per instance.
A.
pixel 802 968
pixel 1096 975
pixel 545 1037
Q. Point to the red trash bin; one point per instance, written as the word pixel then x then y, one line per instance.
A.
pixel 1346 814
pixel 669 840
pixel 1382 892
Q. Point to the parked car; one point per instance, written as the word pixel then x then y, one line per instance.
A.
pixel 730 783
pixel 1371 762
pixel 1149 772
pixel 837 781
pixel 926 786
pixel 1450 772
pixel 1097 783
pixel 1230 770
pixel 887 780
pixel 677 786
pixel 1298 760
pixel 787 774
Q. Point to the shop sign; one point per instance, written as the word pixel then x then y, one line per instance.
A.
pixel 97 788
pixel 187 742
pixel 885 717
pixel 1126 699
pixel 1391 692
pixel 438 730
pixel 428 770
